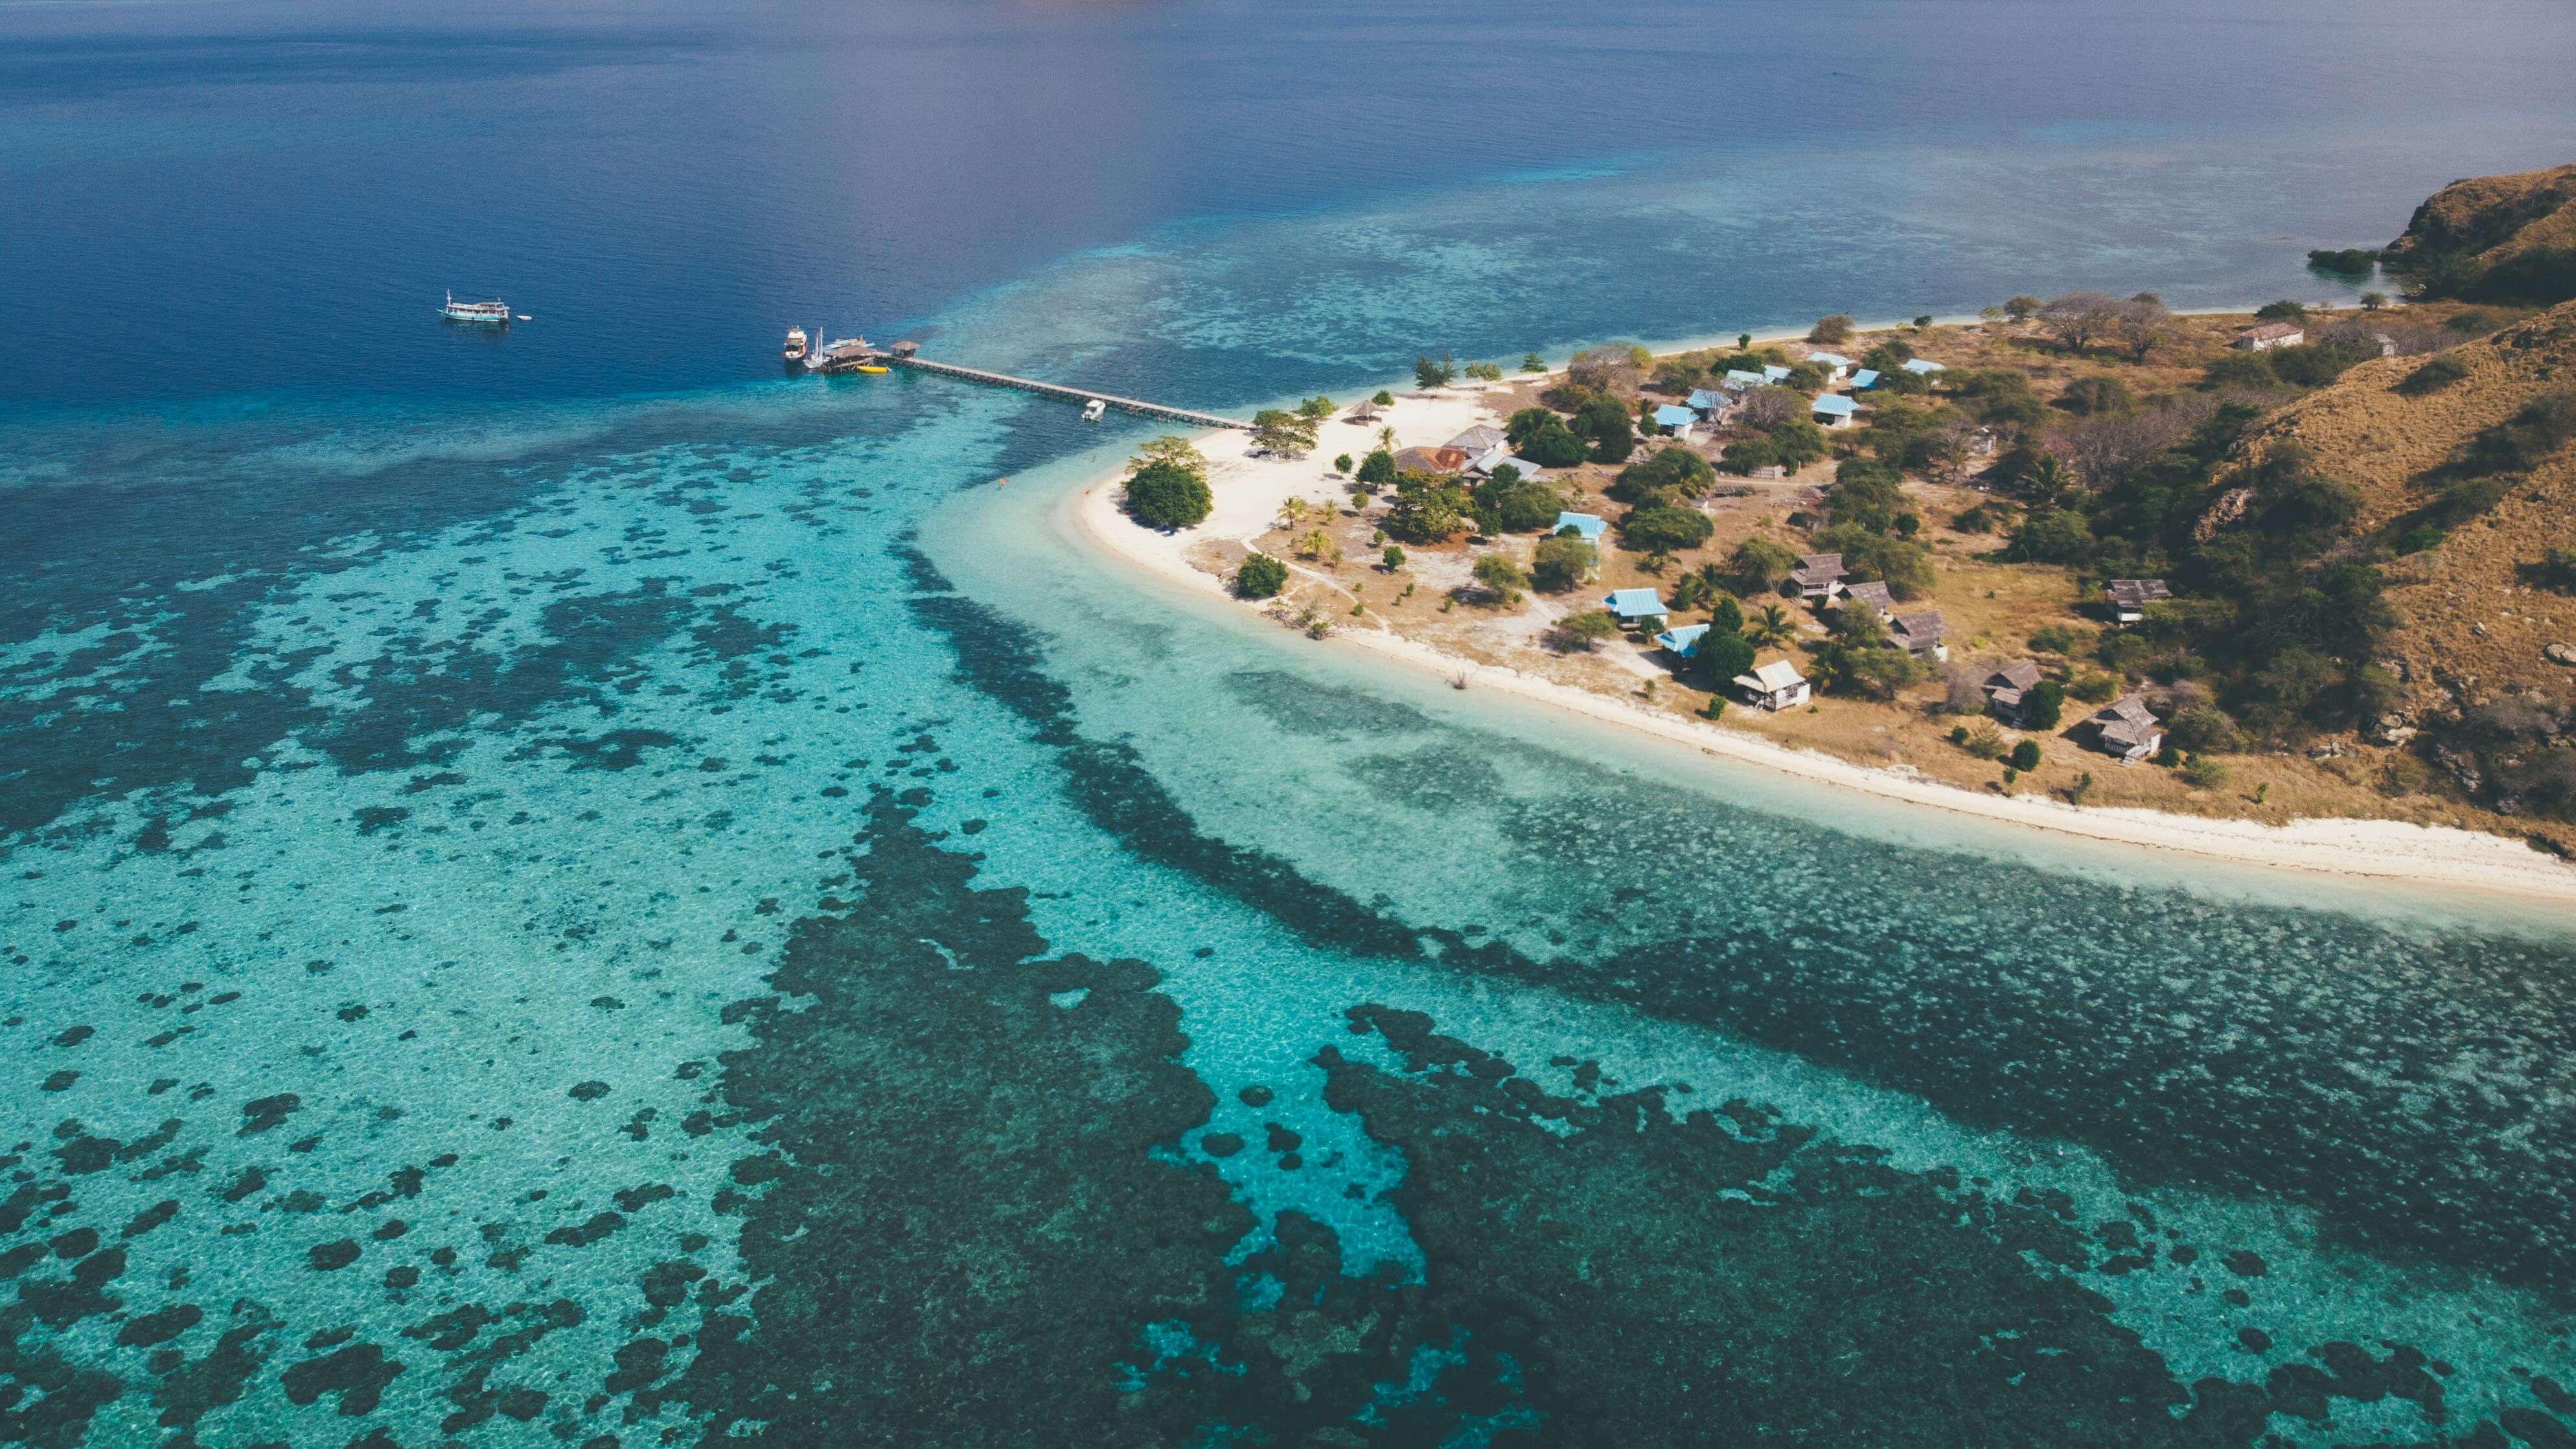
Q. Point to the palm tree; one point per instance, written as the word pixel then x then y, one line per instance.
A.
pixel 1292 513
pixel 1386 438
pixel 1773 626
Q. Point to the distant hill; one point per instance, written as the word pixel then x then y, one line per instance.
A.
pixel 2476 446
pixel 2494 238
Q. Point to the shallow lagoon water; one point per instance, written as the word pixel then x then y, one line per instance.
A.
pixel 564 919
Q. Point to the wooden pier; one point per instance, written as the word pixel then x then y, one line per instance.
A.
pixel 842 359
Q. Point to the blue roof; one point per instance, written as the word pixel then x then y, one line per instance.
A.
pixel 1738 377
pixel 1924 365
pixel 1703 398
pixel 1829 359
pixel 1866 377
pixel 1669 416
pixel 1588 525
pixel 1683 641
pixel 1635 603
pixel 1833 405
pixel 1774 372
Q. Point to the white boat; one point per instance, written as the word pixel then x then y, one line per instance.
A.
pixel 487 314
pixel 795 345
pixel 1094 410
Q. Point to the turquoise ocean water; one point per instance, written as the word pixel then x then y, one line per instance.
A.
pixel 568 889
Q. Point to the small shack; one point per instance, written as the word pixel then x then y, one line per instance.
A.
pixel 2129 598
pixel 1832 410
pixel 2128 729
pixel 1635 606
pixel 1774 686
pixel 2264 336
pixel 1818 576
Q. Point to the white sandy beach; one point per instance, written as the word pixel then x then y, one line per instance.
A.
pixel 1248 494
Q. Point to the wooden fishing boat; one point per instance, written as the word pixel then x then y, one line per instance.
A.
pixel 481 314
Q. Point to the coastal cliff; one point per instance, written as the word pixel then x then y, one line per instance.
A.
pixel 2508 238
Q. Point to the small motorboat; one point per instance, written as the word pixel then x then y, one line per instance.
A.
pixel 1094 410
pixel 796 346
pixel 482 314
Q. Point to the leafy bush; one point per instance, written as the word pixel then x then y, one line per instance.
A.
pixel 1261 577
pixel 1576 632
pixel 2437 373
pixel 2284 310
pixel 2093 687
pixel 1501 577
pixel 2052 535
pixel 1377 468
pixel 2203 773
pixel 1383 398
pixel 1981 740
pixel 2025 756
pixel 2206 727
pixel 1342 462
pixel 2060 639
pixel 1830 330
pixel 2089 396
pixel 1427 513
pixel 1515 504
pixel 1165 494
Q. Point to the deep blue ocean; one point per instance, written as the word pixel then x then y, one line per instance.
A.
pixel 568 887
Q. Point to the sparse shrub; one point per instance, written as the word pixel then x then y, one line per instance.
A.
pixel 2437 373
pixel 2203 773
pixel 2025 756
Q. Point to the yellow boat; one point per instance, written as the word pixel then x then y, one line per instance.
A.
pixel 871 369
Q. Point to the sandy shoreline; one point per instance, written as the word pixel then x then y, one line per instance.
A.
pixel 1248 494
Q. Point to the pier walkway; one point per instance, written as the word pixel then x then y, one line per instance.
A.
pixel 902 356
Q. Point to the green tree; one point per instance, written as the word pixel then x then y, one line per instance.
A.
pixel 1377 469
pixel 1666 528
pixel 1773 626
pixel 1341 462
pixel 2043 705
pixel 1722 655
pixel 2025 756
pixel 1532 362
pixel 1747 456
pixel 1261 577
pixel 1170 448
pixel 1513 504
pixel 1392 559
pixel 1428 374
pixel 1758 565
pixel 1383 398
pixel 1167 495
pixel 1668 471
pixel 2021 309
pixel 1501 577
pixel 2284 310
pixel 1830 330
pixel 1562 561
pixel 1288 434
pixel 1427 514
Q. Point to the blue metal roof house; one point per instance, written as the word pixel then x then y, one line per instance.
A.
pixel 1832 361
pixel 1924 367
pixel 1634 604
pixel 1675 418
pixel 1833 410
pixel 1774 372
pixel 1702 400
pixel 1586 526
pixel 1865 379
pixel 1684 641
pixel 1738 379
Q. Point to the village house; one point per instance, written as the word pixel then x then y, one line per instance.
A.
pixel 1774 686
pixel 1682 642
pixel 1438 462
pixel 1806 506
pixel 1500 456
pixel 1832 410
pixel 2129 597
pixel 1477 441
pixel 1924 367
pixel 1681 422
pixel 1919 634
pixel 2128 729
pixel 1633 607
pixel 1865 379
pixel 1774 373
pixel 2008 685
pixel 1818 576
pixel 1737 380
pixel 2264 336
pixel 1836 365
pixel 1873 596
pixel 1712 406
pixel 1587 526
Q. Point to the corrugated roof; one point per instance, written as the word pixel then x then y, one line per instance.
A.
pixel 1591 526
pixel 1866 377
pixel 1834 405
pixel 1683 641
pixel 1635 603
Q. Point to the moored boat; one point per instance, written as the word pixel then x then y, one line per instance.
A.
pixel 1094 410
pixel 796 345
pixel 487 314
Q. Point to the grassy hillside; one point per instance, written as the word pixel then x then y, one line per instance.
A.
pixel 2465 479
pixel 2494 238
